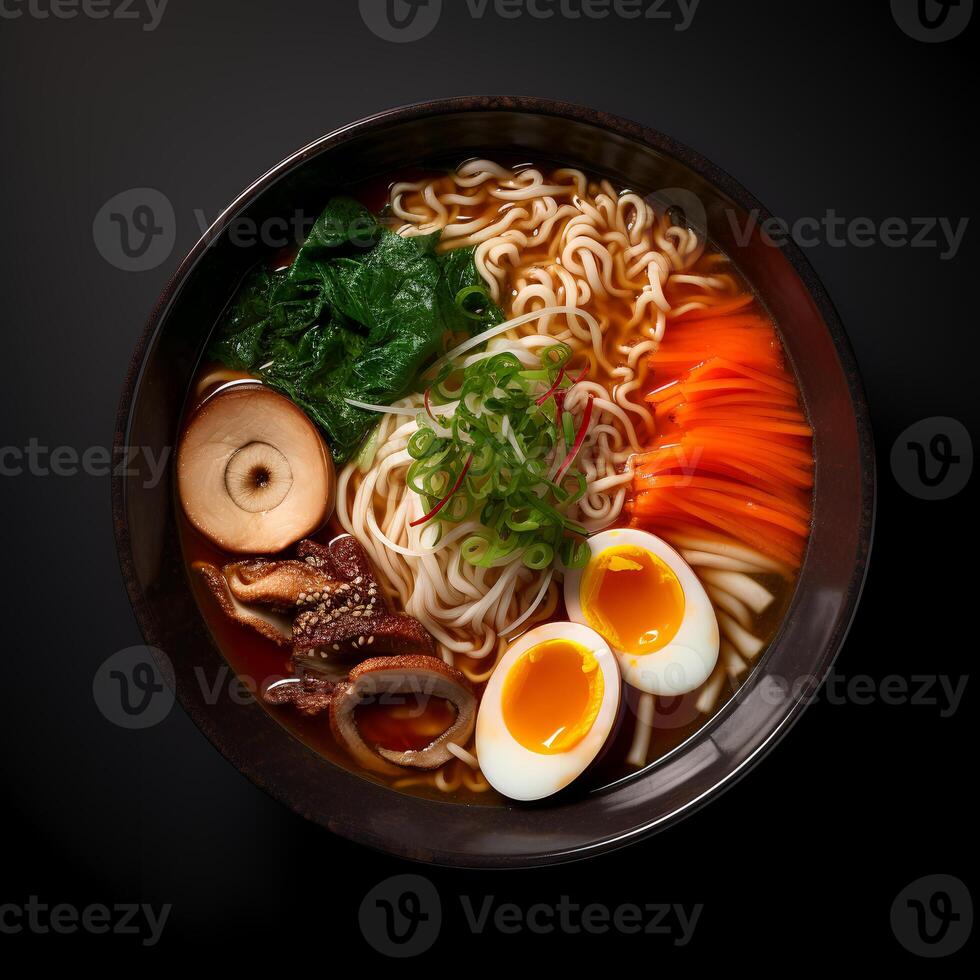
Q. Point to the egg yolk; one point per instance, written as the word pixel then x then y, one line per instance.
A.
pixel 632 598
pixel 551 696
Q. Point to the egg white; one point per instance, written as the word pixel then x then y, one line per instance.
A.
pixel 686 662
pixel 509 767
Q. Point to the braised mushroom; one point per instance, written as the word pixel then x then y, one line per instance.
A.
pixel 253 473
pixel 270 624
pixel 420 677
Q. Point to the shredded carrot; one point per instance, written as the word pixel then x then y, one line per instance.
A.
pixel 724 486
pixel 734 455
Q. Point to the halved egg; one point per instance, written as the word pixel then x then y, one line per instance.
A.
pixel 647 603
pixel 547 710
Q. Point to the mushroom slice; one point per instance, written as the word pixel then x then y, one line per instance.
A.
pixel 339 636
pixel 353 619
pixel 270 624
pixel 308 695
pixel 282 584
pixel 418 676
pixel 253 474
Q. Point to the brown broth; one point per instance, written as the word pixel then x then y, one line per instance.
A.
pixel 257 661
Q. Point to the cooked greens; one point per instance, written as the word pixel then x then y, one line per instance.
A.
pixel 357 315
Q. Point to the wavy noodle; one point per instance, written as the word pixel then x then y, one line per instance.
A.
pixel 540 241
pixel 464 607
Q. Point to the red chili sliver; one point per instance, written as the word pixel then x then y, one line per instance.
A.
pixel 579 439
pixel 428 406
pixel 552 389
pixel 442 503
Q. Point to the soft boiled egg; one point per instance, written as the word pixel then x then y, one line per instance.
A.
pixel 547 710
pixel 647 603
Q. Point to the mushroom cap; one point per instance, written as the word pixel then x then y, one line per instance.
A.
pixel 292 496
pixel 415 674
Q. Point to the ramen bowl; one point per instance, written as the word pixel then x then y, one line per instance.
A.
pixel 780 684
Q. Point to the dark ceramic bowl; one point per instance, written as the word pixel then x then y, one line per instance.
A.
pixel 769 701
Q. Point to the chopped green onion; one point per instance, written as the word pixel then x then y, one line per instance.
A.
pixel 442 503
pixel 579 439
pixel 469 311
pixel 567 429
pixel 539 555
pixel 507 422
pixel 422 443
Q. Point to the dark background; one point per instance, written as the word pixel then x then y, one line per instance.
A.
pixel 810 106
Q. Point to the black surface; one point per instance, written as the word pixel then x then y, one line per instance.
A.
pixel 811 107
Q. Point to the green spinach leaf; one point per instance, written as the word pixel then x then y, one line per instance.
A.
pixel 359 314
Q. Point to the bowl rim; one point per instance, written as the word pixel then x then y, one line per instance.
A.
pixel 626 128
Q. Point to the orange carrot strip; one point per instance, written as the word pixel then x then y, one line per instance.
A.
pixel 712 367
pixel 743 531
pixel 737 505
pixel 755 424
pixel 726 486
